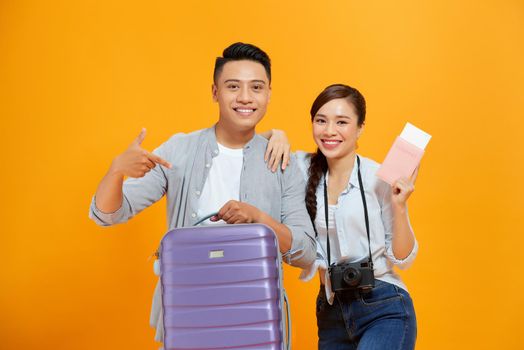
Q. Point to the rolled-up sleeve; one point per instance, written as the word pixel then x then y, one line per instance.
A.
pixel 295 216
pixel 402 263
pixel 105 219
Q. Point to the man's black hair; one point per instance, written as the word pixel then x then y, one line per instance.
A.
pixel 241 51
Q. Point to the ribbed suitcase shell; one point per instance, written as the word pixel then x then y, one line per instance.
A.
pixel 221 288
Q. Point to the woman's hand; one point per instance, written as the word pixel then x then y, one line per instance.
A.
pixel 278 149
pixel 402 189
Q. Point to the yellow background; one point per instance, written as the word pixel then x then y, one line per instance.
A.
pixel 78 79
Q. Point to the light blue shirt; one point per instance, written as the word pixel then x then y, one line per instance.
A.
pixel 350 227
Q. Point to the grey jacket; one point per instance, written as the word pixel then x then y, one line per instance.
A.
pixel 280 194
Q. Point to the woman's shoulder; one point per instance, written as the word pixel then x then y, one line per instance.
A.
pixel 369 168
pixel 368 165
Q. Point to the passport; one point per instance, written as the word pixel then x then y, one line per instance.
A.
pixel 405 154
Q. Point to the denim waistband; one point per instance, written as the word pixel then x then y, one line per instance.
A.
pixel 350 294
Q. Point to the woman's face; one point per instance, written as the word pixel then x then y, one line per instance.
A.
pixel 335 129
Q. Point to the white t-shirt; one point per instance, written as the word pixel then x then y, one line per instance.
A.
pixel 222 183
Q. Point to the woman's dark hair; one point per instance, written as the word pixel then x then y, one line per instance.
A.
pixel 239 52
pixel 318 165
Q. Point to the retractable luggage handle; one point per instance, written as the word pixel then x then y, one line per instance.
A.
pixel 286 300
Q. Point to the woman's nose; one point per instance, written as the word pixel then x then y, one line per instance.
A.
pixel 330 129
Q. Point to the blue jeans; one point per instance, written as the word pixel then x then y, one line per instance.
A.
pixel 381 319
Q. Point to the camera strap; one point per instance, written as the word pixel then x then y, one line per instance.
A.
pixel 366 218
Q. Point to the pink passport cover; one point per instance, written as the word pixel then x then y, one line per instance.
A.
pixel 401 161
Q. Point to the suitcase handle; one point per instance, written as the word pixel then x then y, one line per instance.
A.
pixel 288 323
pixel 156 254
pixel 205 218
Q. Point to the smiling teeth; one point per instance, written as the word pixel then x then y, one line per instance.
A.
pixel 244 110
pixel 331 142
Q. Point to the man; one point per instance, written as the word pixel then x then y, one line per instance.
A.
pixel 217 169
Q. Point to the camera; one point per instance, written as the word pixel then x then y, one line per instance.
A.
pixel 357 276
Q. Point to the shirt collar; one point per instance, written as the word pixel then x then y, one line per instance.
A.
pixel 353 179
pixel 212 137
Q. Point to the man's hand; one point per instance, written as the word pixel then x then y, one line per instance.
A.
pixel 235 212
pixel 136 161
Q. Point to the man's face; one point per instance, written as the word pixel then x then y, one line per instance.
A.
pixel 242 91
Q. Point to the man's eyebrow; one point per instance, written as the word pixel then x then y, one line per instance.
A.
pixel 251 81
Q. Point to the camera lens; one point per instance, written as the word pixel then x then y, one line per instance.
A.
pixel 352 276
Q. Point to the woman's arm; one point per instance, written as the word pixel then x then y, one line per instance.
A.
pixel 403 240
pixel 278 148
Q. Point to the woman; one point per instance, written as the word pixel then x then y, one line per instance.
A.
pixel 377 311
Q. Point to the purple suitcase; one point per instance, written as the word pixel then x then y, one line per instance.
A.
pixel 222 289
